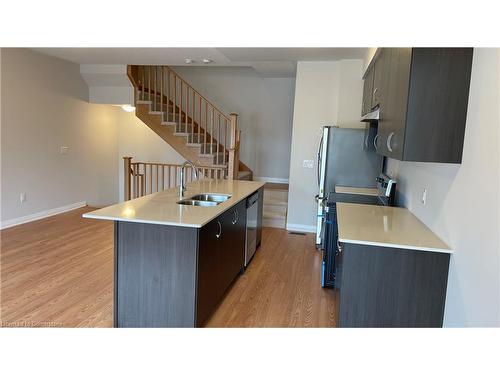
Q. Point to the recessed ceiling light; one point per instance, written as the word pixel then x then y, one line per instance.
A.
pixel 128 108
pixel 207 61
pixel 188 61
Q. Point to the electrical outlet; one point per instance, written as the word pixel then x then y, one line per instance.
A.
pixel 22 197
pixel 424 197
pixel 308 164
pixel 64 150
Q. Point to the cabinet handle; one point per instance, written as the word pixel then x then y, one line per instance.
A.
pixel 389 140
pixel 375 142
pixel 375 93
pixel 235 217
pixel 220 230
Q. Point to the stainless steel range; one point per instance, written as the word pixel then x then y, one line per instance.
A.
pixel 384 195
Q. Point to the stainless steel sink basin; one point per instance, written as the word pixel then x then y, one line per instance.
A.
pixel 219 198
pixel 191 202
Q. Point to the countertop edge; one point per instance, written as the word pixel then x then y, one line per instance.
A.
pixel 89 215
pixel 397 246
pixel 142 221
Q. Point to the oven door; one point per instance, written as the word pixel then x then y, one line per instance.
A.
pixel 330 247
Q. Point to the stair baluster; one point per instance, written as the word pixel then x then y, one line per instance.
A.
pixel 203 125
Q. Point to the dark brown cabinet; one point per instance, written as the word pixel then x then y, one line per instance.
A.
pixel 366 105
pixel 390 287
pixel 172 276
pixel 422 94
pixel 221 257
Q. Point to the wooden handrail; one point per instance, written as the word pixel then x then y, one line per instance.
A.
pixel 196 91
pixel 127 177
pixel 234 148
pixel 141 178
pixel 194 113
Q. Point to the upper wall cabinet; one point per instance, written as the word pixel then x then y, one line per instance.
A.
pixel 422 95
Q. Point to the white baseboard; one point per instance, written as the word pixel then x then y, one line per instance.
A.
pixel 271 179
pixel 274 223
pixel 300 228
pixel 41 215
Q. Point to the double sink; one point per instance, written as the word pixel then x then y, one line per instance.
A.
pixel 205 200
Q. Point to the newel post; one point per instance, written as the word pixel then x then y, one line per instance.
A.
pixel 127 163
pixel 234 149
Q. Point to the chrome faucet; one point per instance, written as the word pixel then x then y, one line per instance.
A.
pixel 182 188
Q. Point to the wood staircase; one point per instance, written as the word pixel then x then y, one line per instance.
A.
pixel 187 121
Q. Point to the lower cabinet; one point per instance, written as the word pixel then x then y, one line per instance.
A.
pixel 390 287
pixel 171 276
pixel 221 257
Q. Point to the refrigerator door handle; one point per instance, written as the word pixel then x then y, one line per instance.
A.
pixel 320 149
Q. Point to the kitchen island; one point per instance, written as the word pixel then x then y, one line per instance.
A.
pixel 174 262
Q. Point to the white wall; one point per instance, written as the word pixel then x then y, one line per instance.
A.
pixel 264 106
pixel 137 140
pixel 326 93
pixel 44 106
pixel 108 84
pixel 463 202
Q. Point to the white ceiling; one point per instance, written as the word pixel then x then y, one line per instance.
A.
pixel 269 62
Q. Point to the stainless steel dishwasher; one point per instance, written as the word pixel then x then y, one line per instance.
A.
pixel 251 233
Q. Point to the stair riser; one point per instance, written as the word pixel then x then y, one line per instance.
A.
pixel 274 223
pixel 282 210
pixel 278 195
pixel 197 138
pixel 208 148
pixel 217 158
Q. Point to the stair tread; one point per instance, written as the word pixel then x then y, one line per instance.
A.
pixel 276 186
pixel 275 202
pixel 194 144
pixel 273 215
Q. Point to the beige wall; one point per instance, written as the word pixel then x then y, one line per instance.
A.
pixel 264 106
pixel 463 202
pixel 326 93
pixel 44 106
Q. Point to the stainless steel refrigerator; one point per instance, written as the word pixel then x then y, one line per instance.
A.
pixel 346 157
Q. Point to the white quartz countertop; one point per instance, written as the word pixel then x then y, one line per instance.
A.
pixel 162 207
pixel 385 226
pixel 356 190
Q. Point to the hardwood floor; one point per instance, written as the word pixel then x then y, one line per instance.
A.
pixel 280 287
pixel 58 272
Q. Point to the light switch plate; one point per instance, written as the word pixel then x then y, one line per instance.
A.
pixel 308 164
pixel 64 150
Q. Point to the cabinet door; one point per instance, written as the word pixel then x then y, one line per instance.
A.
pixel 380 78
pixel 437 104
pixel 209 266
pixel 392 123
pixel 366 105
pixel 232 244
